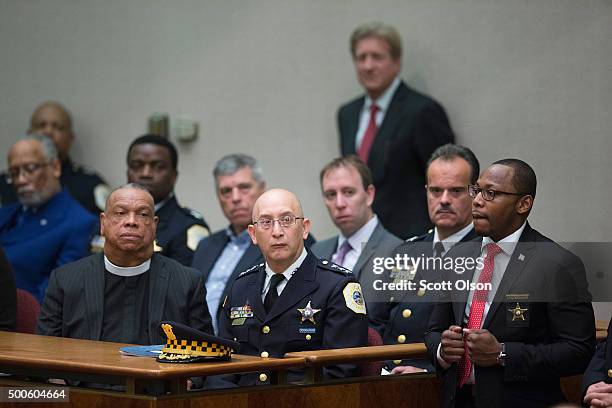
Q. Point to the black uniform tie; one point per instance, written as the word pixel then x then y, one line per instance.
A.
pixel 272 294
pixel 438 249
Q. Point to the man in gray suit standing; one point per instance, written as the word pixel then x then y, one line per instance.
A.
pixel 122 294
pixel 348 193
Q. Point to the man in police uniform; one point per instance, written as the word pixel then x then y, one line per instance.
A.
pixel 53 120
pixel 597 379
pixel 293 301
pixel 47 227
pixel 449 171
pixel 152 162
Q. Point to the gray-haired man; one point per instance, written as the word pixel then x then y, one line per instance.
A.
pixel 224 254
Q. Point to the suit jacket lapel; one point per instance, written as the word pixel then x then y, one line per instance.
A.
pixel 328 248
pixel 377 158
pixel 520 257
pixel 158 287
pixel 352 126
pixel 213 253
pixel 94 296
pixel 368 250
pixel 301 284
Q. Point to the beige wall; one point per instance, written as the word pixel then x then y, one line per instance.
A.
pixel 528 79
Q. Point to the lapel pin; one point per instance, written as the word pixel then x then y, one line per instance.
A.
pixel 521 257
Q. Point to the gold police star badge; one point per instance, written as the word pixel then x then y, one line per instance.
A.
pixel 308 313
pixel 518 312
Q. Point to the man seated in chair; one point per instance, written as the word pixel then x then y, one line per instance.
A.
pixel 122 294
pixel 293 301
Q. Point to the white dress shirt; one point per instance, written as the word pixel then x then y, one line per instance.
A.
pixel 383 105
pixel 358 240
pixel 288 273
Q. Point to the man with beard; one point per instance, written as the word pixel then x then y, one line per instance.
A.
pixel 47 227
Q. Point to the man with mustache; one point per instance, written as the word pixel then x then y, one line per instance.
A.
pixel 450 169
pixel 152 162
pixel 122 294
pixel 46 228
pixel 293 301
pixel 528 319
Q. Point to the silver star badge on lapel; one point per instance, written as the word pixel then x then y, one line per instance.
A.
pixel 521 257
pixel 308 313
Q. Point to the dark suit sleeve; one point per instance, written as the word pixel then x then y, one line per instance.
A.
pixel 343 328
pixel 431 130
pixel 199 316
pixel 596 370
pixel 50 318
pixel 572 324
pixel 440 319
pixel 8 295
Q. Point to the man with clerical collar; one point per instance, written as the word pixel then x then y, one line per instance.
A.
pixel 53 120
pixel 122 294
pixel 526 319
pixel 393 128
pixel 46 228
pixel 293 301
pixel 450 169
pixel 152 162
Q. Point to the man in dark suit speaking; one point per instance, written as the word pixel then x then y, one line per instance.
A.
pixel 122 294
pixel 527 321
pixel 393 128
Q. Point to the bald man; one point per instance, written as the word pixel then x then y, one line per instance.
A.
pixel 293 301
pixel 53 120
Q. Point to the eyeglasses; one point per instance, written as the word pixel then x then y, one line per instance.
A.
pixel 28 170
pixel 284 221
pixel 488 193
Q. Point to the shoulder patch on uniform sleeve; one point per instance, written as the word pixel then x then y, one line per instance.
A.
pixel 195 234
pixel 354 298
pixel 251 269
pixel 194 213
pixel 417 238
pixel 101 192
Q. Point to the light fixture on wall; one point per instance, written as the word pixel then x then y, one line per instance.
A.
pixel 183 129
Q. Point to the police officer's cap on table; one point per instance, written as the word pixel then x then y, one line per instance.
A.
pixel 187 345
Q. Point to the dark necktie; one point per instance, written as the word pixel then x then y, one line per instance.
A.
pixel 369 135
pixel 272 294
pixel 438 249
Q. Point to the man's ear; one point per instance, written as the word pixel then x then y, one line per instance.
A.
pixel 251 230
pixel 306 223
pixel 102 218
pixel 524 204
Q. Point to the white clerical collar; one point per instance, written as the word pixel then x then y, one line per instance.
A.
pixel 127 270
pixel 383 100
pixel 291 269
